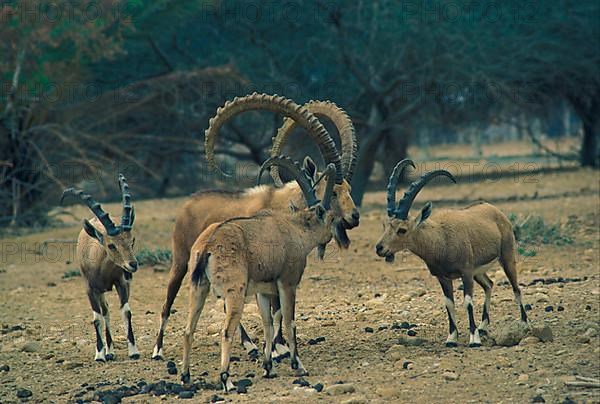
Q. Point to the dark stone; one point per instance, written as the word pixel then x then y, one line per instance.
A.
pixel 4 368
pixel 405 364
pixel 318 387
pixel 301 382
pixel 588 307
pixel 111 399
pixel 24 393
pixel 174 388
pixel 404 325
pixel 241 389
pixel 173 311
pixel 146 389
pixel 172 371
pixel 528 307
pixel 568 400
pixel 186 394
pixel 412 326
pixel 320 339
pixel 141 383
pixel 51 284
pixel 59 361
pixel 250 374
pixel 315 341
pixel 538 399
pixel 560 308
pixel 234 359
pixel 377 295
pixel 548 309
pixel 244 382
pixel 368 329
pixel 216 399
pixel 382 327
pixel 171 364
pixel 412 333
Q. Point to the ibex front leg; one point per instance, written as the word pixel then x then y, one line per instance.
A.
pixel 448 290
pixel 287 295
pixel 280 348
pixel 95 301
pixel 123 291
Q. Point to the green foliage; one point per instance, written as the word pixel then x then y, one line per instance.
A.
pixel 150 257
pixel 535 231
pixel 72 273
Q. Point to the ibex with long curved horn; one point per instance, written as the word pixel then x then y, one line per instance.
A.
pixel 106 258
pixel 206 208
pixel 263 255
pixel 454 244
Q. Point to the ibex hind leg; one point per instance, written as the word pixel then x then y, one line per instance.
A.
pixel 486 283
pixel 176 275
pixel 110 349
pixel 474 339
pixel 198 297
pixel 264 306
pixel 248 344
pixel 234 306
pixel 448 289
pixel 280 347
pixel 509 264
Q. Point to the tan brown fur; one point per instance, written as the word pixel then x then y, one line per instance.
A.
pixel 265 255
pixel 458 244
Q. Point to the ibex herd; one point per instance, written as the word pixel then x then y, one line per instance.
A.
pixel 255 242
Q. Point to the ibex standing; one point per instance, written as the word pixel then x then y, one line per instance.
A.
pixel 208 207
pixel 263 254
pixel 106 259
pixel 454 244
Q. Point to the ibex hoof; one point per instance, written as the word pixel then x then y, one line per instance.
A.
pixel 110 357
pixel 134 356
pixel 185 378
pixel 483 332
pixel 301 372
pixel 278 358
pixel 101 360
pixel 474 345
pixel 451 344
pixel 253 354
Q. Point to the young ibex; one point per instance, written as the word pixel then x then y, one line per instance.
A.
pixel 454 244
pixel 106 259
pixel 264 255
pixel 208 207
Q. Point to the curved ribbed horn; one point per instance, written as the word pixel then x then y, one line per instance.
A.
pixel 345 129
pixel 126 218
pixel 295 172
pixel 95 207
pixel 410 195
pixel 280 105
pixel 330 173
pixel 393 184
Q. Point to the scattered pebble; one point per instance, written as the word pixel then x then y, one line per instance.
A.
pixel 301 382
pixel 531 340
pixel 582 339
pixel 528 307
pixel 538 399
pixel 186 394
pixel 24 393
pixel 4 368
pixel 548 309
pixel 315 341
pixel 407 365
pixel 450 376
pixel 216 399
pixel 544 333
pixel 369 329
pixel 588 307
pixel 31 346
pixel 523 378
pixel 414 341
pixel 412 333
pixel 510 334
pixel 318 387
pixel 339 389
pixel 560 308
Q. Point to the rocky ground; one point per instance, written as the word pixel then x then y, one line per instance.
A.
pixel 368 331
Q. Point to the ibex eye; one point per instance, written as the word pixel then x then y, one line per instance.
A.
pixel 401 231
pixel 112 247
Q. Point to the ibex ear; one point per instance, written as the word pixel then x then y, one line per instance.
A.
pixel 92 232
pixel 320 211
pixel 425 213
pixel 310 168
pixel 293 207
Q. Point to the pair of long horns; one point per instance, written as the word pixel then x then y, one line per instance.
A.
pixel 401 210
pixel 127 217
pixel 308 190
pixel 296 115
pixel 343 124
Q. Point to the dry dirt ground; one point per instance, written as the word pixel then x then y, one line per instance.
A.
pixel 353 299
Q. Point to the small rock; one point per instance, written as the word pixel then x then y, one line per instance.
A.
pixel 369 329
pixel 582 339
pixel 544 333
pixel 511 334
pixel 538 399
pixel 405 298
pixel 528 307
pixel 51 284
pixel 531 340
pixel 560 308
pixel 4 368
pixel 523 378
pixel 450 376
pixel 395 352
pixel 548 309
pixel 172 371
pixel 171 364
pixel 24 393
pixel 31 346
pixel 301 382
pixel 389 392
pixel 411 341
pixel 408 365
pixel 330 323
pixel 186 394
pixel 411 333
pixel 588 307
pixel 591 333
pixel 318 387
pixel 339 389
pixel 216 399
pixel 73 365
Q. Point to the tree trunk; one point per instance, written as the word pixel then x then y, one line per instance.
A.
pixel 589 155
pixel 364 167
pixel 395 146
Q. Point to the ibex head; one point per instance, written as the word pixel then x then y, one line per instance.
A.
pixel 399 229
pixel 118 241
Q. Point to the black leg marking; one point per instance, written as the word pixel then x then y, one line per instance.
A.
pixel 99 345
pixel 185 378
pixel 523 314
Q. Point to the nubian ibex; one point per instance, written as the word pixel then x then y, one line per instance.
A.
pixel 208 207
pixel 263 255
pixel 454 244
pixel 106 258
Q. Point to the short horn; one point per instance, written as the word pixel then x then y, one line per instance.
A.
pixel 345 129
pixel 393 184
pixel 410 195
pixel 282 106
pixel 126 218
pixel 294 170
pixel 95 207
